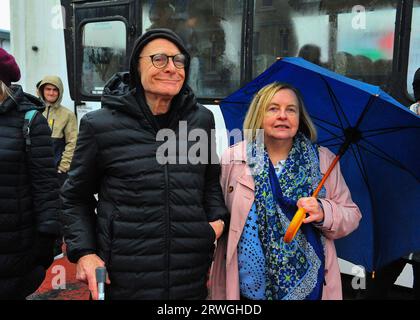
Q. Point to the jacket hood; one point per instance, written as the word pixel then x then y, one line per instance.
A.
pixel 21 101
pixel 55 81
pixel 143 41
pixel 117 95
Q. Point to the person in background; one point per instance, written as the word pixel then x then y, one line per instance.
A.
pixel 415 107
pixel 311 53
pixel 29 200
pixel 264 182
pixel 62 122
pixel 156 222
pixel 63 125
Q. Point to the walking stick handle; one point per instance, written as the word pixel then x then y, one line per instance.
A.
pixel 100 279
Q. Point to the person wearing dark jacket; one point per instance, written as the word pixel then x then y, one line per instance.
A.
pixel 156 222
pixel 28 189
pixel 415 107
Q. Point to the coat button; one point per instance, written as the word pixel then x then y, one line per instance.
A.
pixel 230 189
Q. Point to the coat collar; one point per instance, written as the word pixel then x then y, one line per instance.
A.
pixel 238 156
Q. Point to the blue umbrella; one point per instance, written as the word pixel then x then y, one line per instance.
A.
pixel 379 139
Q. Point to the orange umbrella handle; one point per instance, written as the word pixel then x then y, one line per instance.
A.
pixel 301 213
pixel 295 225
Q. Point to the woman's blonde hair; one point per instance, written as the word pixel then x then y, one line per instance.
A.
pixel 259 105
pixel 5 91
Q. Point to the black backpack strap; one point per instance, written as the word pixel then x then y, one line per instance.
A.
pixel 29 116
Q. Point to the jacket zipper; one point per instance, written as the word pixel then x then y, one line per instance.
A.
pixel 167 231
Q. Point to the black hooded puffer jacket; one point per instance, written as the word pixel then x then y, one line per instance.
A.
pixel 151 227
pixel 28 198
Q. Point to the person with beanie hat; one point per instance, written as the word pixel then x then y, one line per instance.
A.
pixel 160 206
pixel 415 107
pixel 9 70
pixel 29 188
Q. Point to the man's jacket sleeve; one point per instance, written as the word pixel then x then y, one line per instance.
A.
pixel 79 218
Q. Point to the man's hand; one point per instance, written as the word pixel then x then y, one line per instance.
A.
pixel 312 207
pixel 86 272
pixel 218 227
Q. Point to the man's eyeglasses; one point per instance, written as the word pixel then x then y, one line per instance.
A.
pixel 161 60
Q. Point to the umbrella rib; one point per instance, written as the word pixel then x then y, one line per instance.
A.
pixel 359 162
pixel 375 132
pixel 391 128
pixel 331 139
pixel 324 121
pixel 384 156
pixel 336 103
pixel 331 145
pixel 366 109
pixel 361 165
pixel 334 137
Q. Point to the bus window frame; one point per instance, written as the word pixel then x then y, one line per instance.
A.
pixel 79 53
pixel 403 19
pixel 409 81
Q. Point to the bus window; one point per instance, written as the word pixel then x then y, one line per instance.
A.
pixel 211 32
pixel 414 55
pixel 365 42
pixel 104 48
pixel 274 34
pixel 348 38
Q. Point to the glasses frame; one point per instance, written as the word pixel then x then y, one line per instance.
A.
pixel 167 60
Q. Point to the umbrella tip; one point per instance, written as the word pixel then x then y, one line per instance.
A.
pixel 279 58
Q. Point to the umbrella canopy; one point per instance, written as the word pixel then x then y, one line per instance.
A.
pixel 381 166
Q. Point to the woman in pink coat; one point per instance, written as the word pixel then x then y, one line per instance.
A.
pixel 265 179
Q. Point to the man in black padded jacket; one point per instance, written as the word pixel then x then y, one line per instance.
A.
pixel 156 222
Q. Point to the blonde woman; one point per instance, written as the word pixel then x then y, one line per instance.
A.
pixel 264 182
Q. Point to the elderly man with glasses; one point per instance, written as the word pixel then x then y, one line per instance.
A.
pixel 156 220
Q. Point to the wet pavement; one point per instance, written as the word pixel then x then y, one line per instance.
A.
pixel 60 283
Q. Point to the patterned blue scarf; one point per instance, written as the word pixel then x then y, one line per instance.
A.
pixel 294 271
